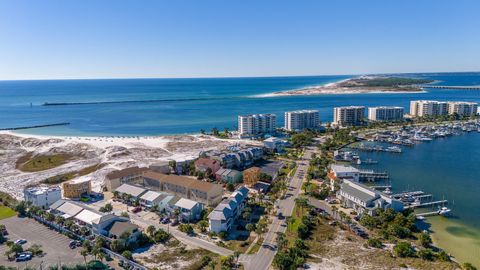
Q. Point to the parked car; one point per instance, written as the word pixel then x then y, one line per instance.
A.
pixel 20 241
pixel 165 220
pixel 136 209
pixel 23 257
pixel 175 222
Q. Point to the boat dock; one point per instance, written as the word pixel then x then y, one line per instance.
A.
pixel 428 214
pixel 411 193
pixel 441 202
pixel 382 187
pixel 372 176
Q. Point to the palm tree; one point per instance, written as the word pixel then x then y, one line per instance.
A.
pixel 84 253
pixel 151 230
pixel 334 211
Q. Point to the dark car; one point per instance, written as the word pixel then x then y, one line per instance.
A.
pixel 280 216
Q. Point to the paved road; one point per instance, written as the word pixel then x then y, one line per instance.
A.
pixel 184 238
pixel 264 257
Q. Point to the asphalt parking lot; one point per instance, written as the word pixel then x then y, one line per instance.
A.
pixel 54 245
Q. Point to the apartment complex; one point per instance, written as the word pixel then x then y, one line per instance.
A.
pixel 236 157
pixel 348 116
pixel 130 175
pixel 385 113
pixel 42 196
pixel 462 108
pixel 300 120
pixel 204 192
pixel 256 124
pixel 76 188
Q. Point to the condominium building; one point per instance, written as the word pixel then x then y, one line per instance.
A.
pixel 204 192
pixel 462 108
pixel 130 175
pixel 385 113
pixel 299 120
pixel 256 124
pixel 348 116
pixel 421 108
pixel 74 189
pixel 42 196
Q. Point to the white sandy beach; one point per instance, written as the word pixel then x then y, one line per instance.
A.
pixel 116 152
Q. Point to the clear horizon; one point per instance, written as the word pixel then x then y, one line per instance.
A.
pixel 52 40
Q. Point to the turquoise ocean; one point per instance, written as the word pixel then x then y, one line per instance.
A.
pixel 447 168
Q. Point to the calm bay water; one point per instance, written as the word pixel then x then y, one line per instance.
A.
pixel 189 104
pixel 448 169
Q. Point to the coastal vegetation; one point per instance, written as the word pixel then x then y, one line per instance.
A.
pixel 384 82
pixel 57 179
pixel 30 163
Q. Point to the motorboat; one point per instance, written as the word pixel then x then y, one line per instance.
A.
pixel 444 211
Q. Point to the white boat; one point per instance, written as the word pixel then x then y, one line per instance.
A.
pixel 444 211
pixel 420 217
pixel 387 191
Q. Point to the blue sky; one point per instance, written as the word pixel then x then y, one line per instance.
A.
pixel 202 38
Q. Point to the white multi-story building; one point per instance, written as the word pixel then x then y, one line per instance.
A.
pixel 348 116
pixel 462 108
pixel 299 120
pixel 42 196
pixel 385 113
pixel 256 124
pixel 420 108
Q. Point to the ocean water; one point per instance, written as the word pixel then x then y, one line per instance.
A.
pixel 448 169
pixel 185 105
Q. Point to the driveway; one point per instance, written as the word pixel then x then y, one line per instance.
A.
pixel 55 245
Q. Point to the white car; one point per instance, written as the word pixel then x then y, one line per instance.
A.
pixel 20 241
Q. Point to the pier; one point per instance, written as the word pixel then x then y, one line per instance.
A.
pixel 442 202
pixel 37 126
pixel 459 87
pixel 371 176
pixel 382 187
pixel 411 193
pixel 428 214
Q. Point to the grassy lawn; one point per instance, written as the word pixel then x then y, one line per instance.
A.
pixel 57 179
pixel 28 163
pixel 239 245
pixel 6 212
pixel 256 247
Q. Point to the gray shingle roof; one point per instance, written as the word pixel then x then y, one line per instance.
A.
pixel 361 195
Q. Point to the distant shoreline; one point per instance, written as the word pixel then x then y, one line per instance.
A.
pixel 356 85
